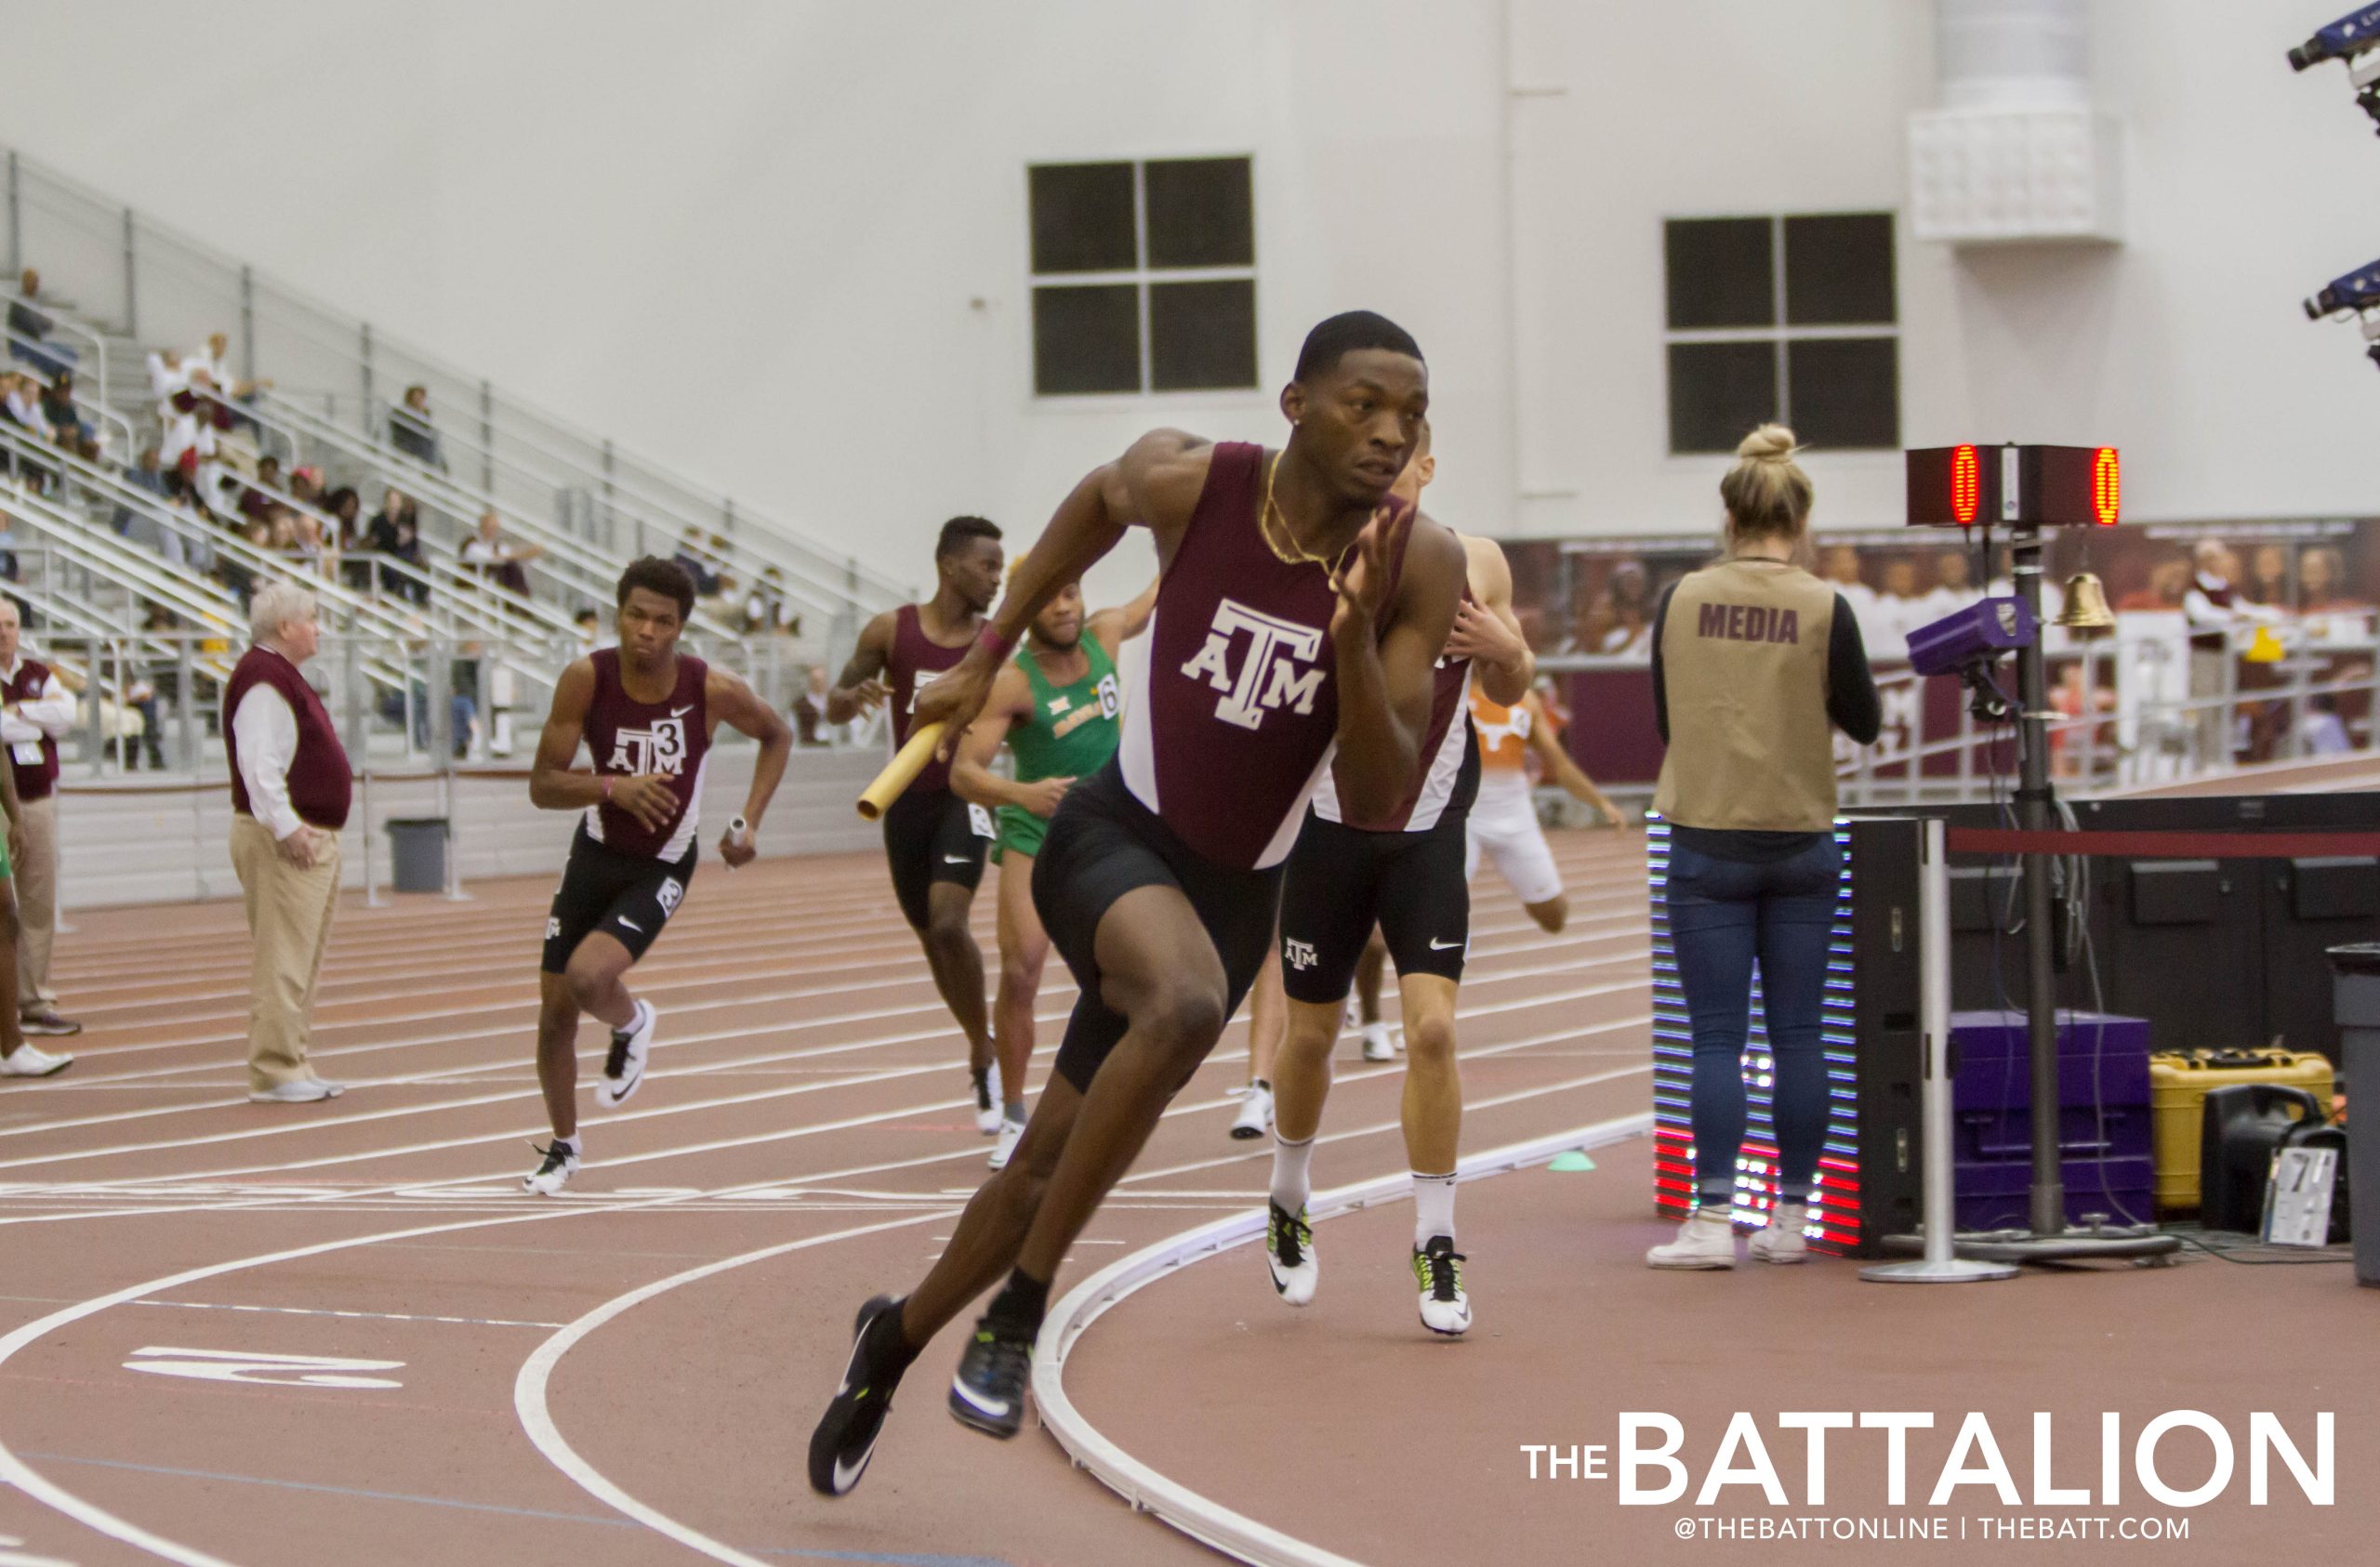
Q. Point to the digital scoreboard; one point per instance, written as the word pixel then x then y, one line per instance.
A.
pixel 2015 486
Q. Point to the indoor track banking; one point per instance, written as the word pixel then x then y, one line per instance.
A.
pixel 1077 784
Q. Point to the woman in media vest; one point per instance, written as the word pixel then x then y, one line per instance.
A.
pixel 1755 662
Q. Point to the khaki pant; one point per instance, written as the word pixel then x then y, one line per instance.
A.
pixel 289 919
pixel 36 881
pixel 2212 723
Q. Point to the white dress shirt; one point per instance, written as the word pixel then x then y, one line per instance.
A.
pixel 267 731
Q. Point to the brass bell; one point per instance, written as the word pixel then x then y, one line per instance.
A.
pixel 2086 605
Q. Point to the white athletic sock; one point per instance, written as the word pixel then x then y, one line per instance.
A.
pixel 570 1142
pixel 1291 1183
pixel 1433 1207
pixel 1375 1036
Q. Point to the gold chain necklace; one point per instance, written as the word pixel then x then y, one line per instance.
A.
pixel 1295 555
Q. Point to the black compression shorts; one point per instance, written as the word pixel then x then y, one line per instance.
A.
pixel 930 837
pixel 628 897
pixel 1342 880
pixel 1103 844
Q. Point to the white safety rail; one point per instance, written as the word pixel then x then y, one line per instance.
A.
pixel 2124 718
pixel 132 278
pixel 1200 1516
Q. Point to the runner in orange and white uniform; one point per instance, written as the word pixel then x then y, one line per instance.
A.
pixel 1503 819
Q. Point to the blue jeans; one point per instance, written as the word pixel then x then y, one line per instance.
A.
pixel 1722 915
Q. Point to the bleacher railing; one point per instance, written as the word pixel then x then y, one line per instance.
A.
pixel 154 285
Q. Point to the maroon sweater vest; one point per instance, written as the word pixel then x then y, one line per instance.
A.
pixel 36 781
pixel 320 784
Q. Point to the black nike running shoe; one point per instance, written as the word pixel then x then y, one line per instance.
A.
pixel 988 1392
pixel 846 1433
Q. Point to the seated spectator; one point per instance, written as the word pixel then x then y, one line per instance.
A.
pixel 185 544
pixel 21 409
pixel 502 562
pixel 395 535
pixel 347 515
pixel 590 631
pixel 691 556
pixel 143 474
pixel 29 329
pixel 766 611
pixel 8 547
pixel 306 485
pixel 253 500
pixel 66 422
pixel 411 433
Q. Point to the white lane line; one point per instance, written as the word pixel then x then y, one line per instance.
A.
pixel 1200 1516
pixel 15 1472
pixel 530 1391
pixel 1059 984
pixel 756 1096
pixel 750 1097
pixel 318 1311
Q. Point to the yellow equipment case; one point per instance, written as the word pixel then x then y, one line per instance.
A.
pixel 2179 1083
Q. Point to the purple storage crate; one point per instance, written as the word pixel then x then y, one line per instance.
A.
pixel 2105 1128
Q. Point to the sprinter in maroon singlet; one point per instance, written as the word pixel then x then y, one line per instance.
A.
pixel 1403 872
pixel 934 842
pixel 1298 606
pixel 646 713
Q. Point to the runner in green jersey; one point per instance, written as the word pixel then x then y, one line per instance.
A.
pixel 1056 705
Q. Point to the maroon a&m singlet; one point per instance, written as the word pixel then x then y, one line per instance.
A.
pixel 629 738
pixel 1231 716
pixel 914 654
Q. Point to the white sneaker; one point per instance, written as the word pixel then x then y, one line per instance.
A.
pixel 624 1068
pixel 1004 1149
pixel 1437 1268
pixel 988 1103
pixel 1782 1241
pixel 1705 1240
pixel 561 1163
pixel 1376 1043
pixel 298 1091
pixel 1289 1252
pixel 29 1063
pixel 1255 1113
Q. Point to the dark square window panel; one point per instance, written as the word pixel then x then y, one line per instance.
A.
pixel 1721 272
pixel 1718 392
pixel 1086 339
pixel 1200 212
pixel 1846 390
pixel 1839 269
pixel 1202 335
pixel 1083 217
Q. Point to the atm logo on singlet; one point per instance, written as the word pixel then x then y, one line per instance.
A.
pixel 1275 671
pixel 1749 623
pixel 659 749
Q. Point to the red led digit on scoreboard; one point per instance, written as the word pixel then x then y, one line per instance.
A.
pixel 2107 486
pixel 1966 484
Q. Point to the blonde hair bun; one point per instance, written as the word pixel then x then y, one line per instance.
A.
pixel 1767 494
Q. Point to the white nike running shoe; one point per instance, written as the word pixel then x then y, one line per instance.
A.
pixel 987 1102
pixel 561 1163
pixel 624 1068
pixel 1255 1113
pixel 1289 1252
pixel 1376 1043
pixel 1005 1150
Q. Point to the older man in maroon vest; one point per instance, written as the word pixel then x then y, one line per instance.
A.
pixel 290 787
pixel 35 708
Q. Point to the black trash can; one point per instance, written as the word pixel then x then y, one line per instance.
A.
pixel 2355 1003
pixel 417 853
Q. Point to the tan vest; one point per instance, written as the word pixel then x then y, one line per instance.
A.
pixel 1744 666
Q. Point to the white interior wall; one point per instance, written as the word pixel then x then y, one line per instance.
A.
pixel 782 246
